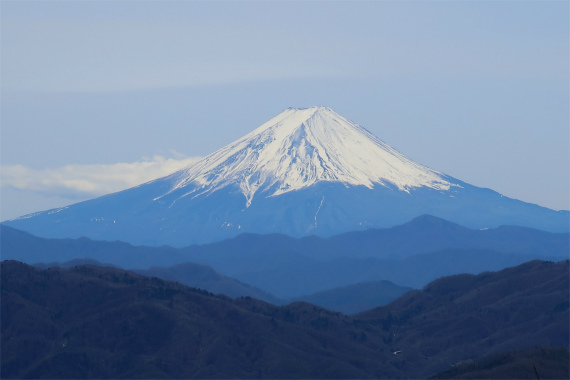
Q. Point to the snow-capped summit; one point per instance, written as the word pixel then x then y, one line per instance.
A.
pixel 298 148
pixel 305 171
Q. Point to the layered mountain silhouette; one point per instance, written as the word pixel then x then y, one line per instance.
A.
pixel 191 274
pixel 350 299
pixel 408 255
pixel 93 322
pixel 356 298
pixel 304 172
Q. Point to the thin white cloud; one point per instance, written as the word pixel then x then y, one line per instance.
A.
pixel 92 180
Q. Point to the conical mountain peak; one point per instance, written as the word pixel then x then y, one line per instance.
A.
pixel 299 148
pixel 304 172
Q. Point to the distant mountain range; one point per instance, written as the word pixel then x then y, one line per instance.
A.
pixel 410 255
pixel 191 274
pixel 304 172
pixel 308 209
pixel 348 300
pixel 94 322
pixel 356 298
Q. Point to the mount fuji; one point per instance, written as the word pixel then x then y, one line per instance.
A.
pixel 304 172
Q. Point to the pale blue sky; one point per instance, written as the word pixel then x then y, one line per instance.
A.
pixel 478 90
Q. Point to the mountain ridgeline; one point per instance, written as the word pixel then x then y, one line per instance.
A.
pixel 304 172
pixel 411 255
pixel 93 322
pixel 331 255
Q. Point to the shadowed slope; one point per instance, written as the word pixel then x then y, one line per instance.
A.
pixel 90 322
pixel 460 317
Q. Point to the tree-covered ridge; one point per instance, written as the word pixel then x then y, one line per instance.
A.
pixel 92 322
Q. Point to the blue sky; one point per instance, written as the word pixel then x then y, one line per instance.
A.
pixel 98 96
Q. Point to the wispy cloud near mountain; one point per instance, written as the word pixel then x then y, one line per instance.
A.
pixel 90 180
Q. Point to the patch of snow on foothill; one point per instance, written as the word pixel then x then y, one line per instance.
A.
pixel 297 149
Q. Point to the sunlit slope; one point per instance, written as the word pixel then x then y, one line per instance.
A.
pixel 306 171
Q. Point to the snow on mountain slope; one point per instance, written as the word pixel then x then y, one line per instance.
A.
pixel 306 171
pixel 297 149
